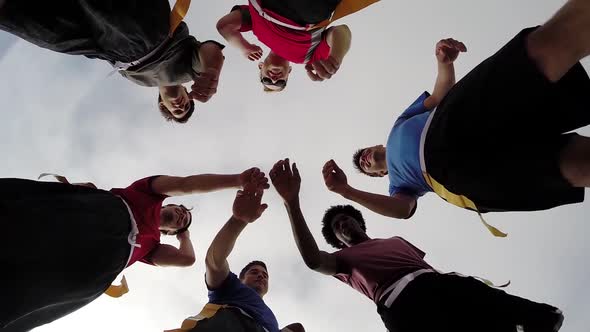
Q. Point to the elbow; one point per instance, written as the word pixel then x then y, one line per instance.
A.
pixel 220 27
pixel 312 263
pixel 225 29
pixel 186 261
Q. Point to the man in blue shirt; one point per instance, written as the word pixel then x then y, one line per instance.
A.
pixel 498 139
pixel 236 303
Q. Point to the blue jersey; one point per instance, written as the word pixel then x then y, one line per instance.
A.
pixel 403 151
pixel 234 293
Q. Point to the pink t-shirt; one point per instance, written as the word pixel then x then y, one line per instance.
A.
pixel 145 204
pixel 376 264
pixel 297 46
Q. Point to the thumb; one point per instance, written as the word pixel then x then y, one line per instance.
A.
pixel 262 208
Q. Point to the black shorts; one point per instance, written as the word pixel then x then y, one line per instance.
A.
pixel 451 303
pixel 497 136
pixel 302 11
pixel 67 244
pixel 228 319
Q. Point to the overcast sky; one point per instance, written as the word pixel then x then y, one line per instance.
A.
pixel 63 114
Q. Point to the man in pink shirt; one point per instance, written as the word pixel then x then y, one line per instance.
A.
pixel 283 26
pixel 410 295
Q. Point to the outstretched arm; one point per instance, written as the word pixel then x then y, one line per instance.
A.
pixel 398 206
pixel 447 51
pixel 246 209
pixel 229 27
pixel 202 183
pixel 287 184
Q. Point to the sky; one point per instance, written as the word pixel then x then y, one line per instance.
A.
pixel 64 114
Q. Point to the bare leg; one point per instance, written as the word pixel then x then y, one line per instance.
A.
pixel 575 161
pixel 562 41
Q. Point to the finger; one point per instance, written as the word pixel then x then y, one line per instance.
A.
pixel 313 76
pixel 444 43
pixel 335 63
pixel 320 70
pixel 262 208
pixel 288 167
pixel 296 172
pixel 330 65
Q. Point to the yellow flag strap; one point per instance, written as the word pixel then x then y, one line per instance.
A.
pixel 460 201
pixel 208 311
pixel 177 14
pixel 117 291
pixel 345 8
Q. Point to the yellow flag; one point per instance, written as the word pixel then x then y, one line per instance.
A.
pixel 344 8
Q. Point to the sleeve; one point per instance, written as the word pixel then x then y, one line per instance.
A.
pixel 230 286
pixel 393 190
pixel 246 17
pixel 414 248
pixel 322 51
pixel 145 186
pixel 417 107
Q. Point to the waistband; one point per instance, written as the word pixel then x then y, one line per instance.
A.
pixel 271 19
pixel 132 237
pixel 393 291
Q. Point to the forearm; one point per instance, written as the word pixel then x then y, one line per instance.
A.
pixel 236 39
pixel 203 183
pixel 211 57
pixel 223 243
pixel 306 244
pixel 444 81
pixel 339 39
pixel 186 250
pixel 384 205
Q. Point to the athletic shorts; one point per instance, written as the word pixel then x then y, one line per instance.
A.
pixel 497 136
pixel 302 11
pixel 228 319
pixel 452 303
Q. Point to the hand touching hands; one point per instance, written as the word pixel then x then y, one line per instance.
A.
pixel 447 50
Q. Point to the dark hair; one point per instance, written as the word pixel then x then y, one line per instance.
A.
pixel 356 161
pixel 328 230
pixel 249 266
pixel 169 117
pixel 180 230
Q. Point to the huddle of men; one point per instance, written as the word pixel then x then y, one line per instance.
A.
pixel 464 142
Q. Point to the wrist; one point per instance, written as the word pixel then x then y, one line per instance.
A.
pixel 345 191
pixel 292 202
pixel 238 221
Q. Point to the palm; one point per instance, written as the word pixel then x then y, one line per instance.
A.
pixel 247 206
pixel 287 188
pixel 286 179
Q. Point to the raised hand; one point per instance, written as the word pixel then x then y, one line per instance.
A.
pixel 287 182
pixel 323 69
pixel 254 175
pixel 247 204
pixel 334 177
pixel 447 50
pixel 205 85
pixel 252 52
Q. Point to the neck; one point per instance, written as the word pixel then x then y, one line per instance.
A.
pixel 359 239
